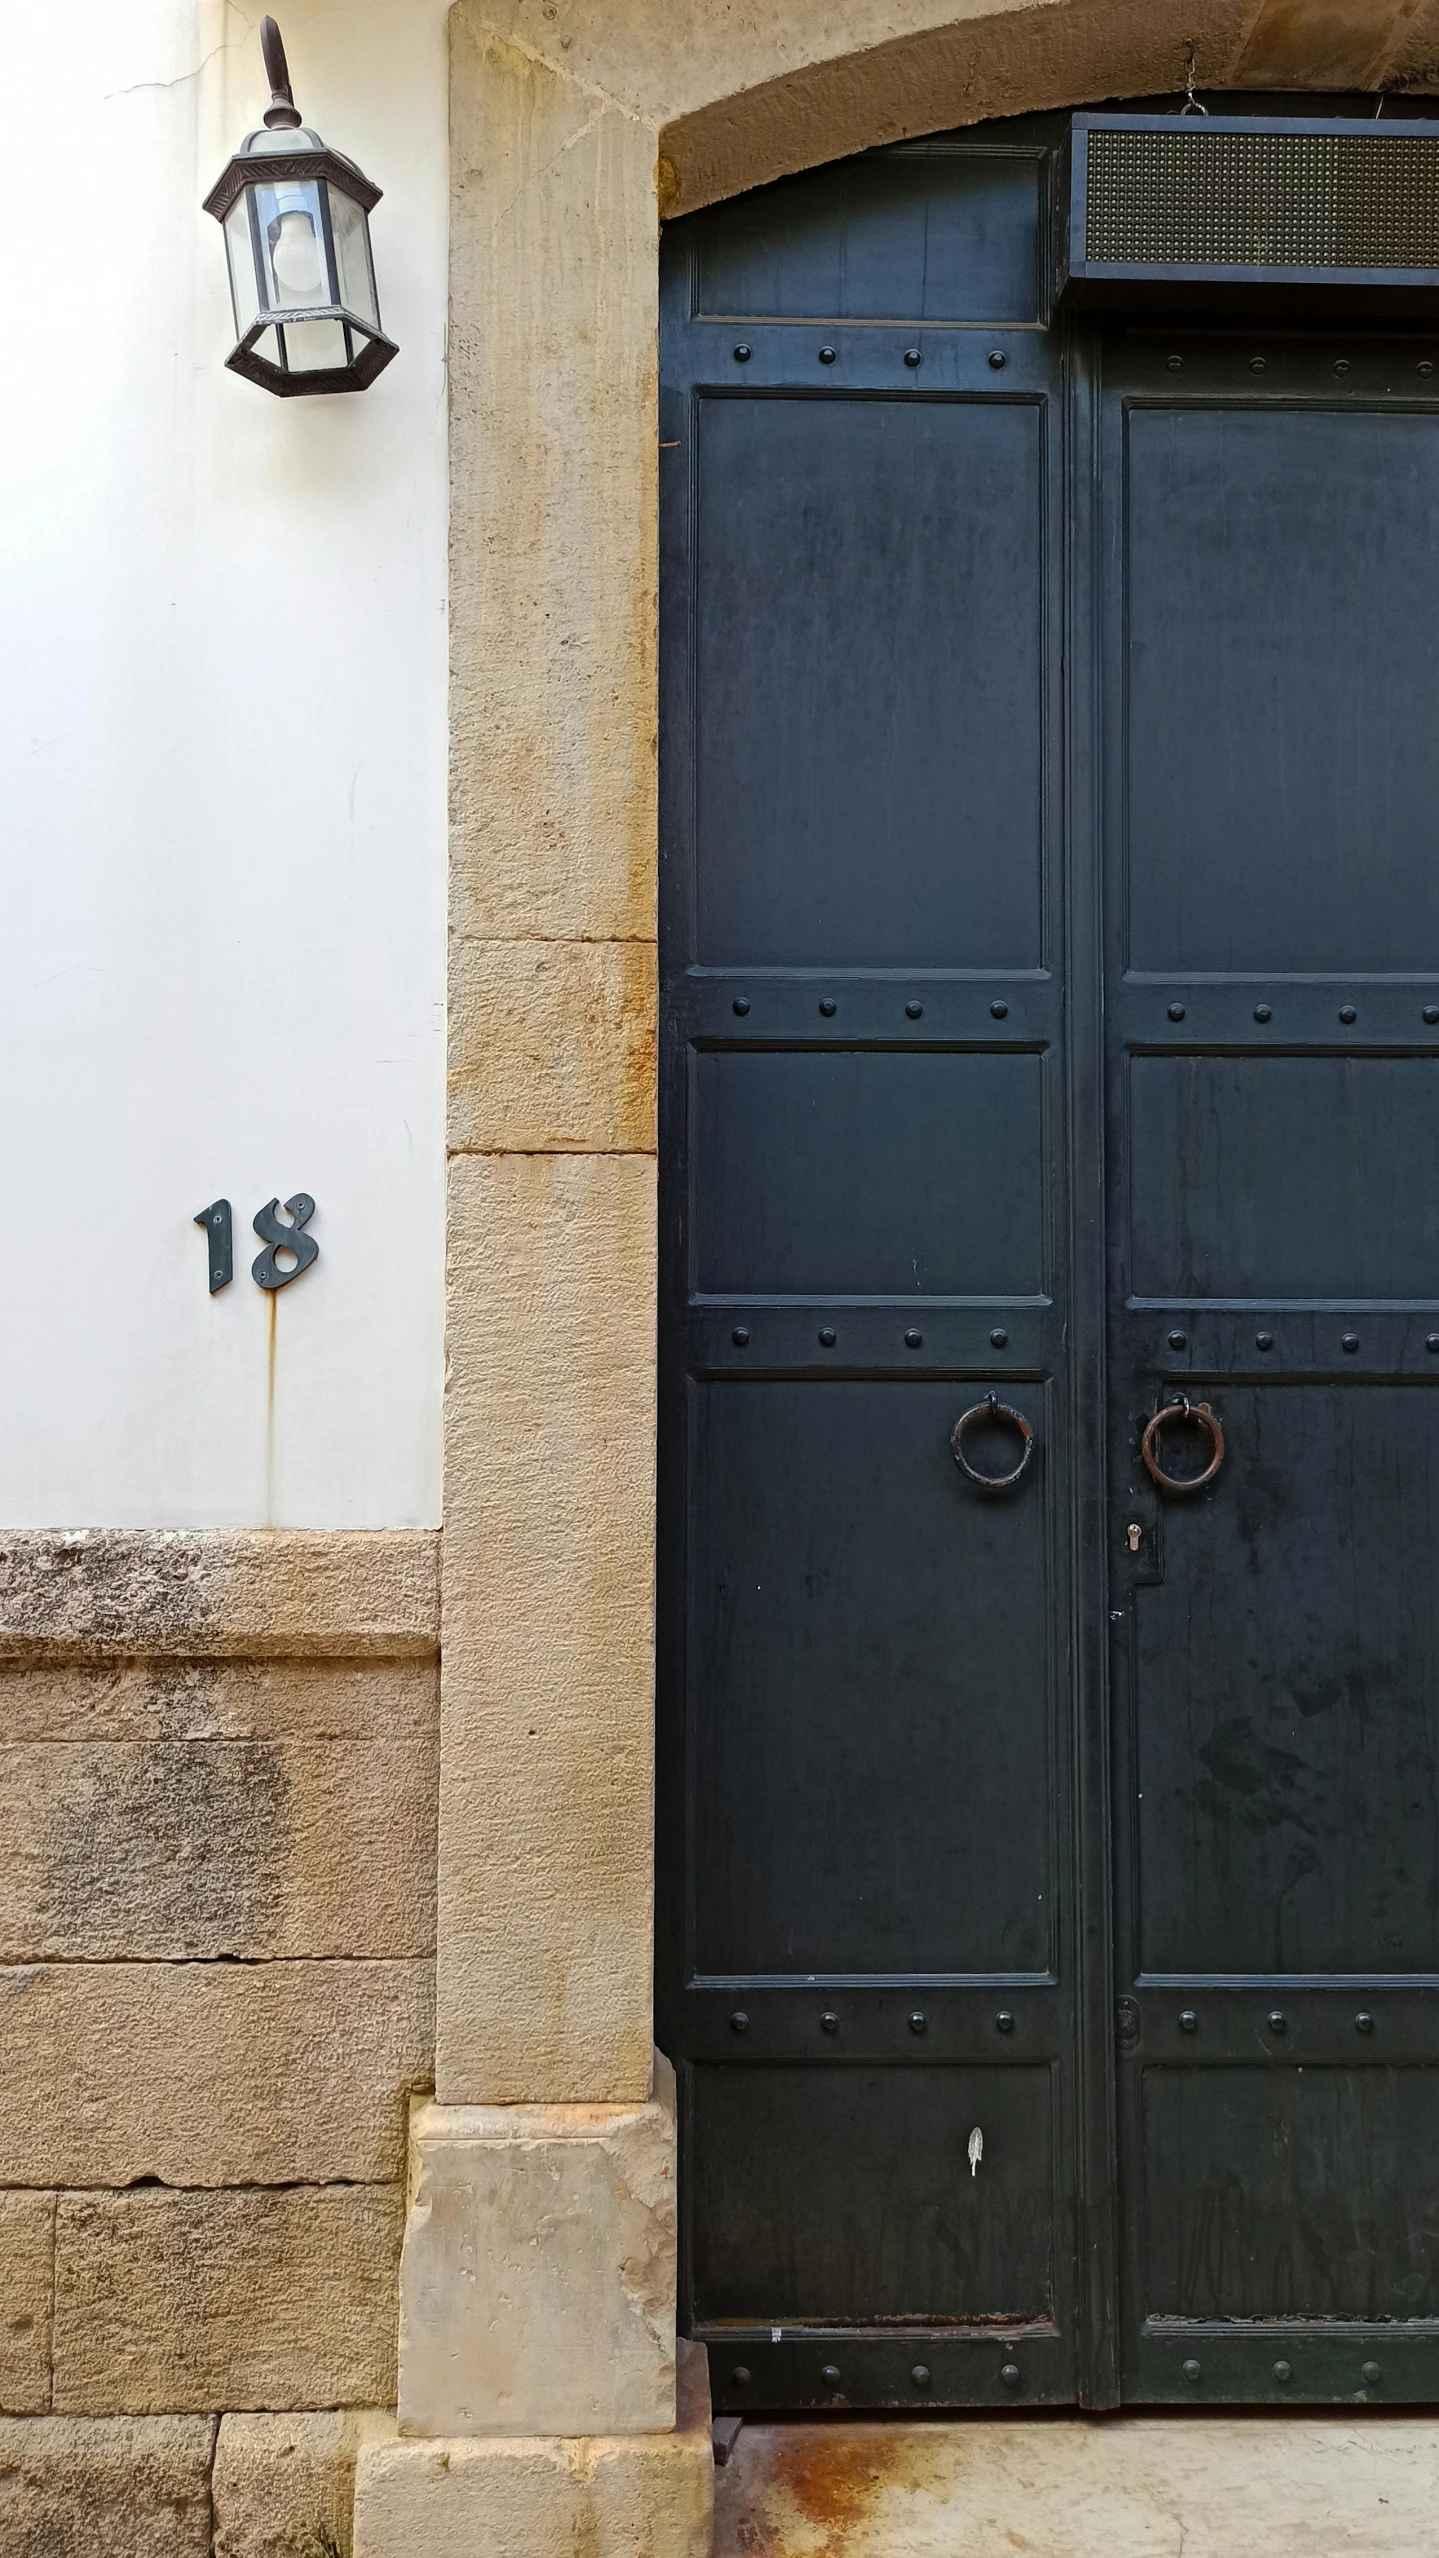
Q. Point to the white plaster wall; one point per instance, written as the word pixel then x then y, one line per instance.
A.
pixel 222 776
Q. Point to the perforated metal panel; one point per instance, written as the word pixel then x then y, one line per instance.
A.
pixel 1263 199
pixel 1190 204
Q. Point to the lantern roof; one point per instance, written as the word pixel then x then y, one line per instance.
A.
pixel 297 153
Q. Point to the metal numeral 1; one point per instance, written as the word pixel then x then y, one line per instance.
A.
pixel 219 1228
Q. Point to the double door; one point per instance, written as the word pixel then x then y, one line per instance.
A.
pixel 1049 1586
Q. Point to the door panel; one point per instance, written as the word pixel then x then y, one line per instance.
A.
pixel 1292 2193
pixel 1282 608
pixel 868 633
pixel 1287 1686
pixel 868 1630
pixel 1281 1177
pixel 910 2233
pixel 843 1172
pixel 939 236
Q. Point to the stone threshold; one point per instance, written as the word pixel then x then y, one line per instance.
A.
pixel 1326 2484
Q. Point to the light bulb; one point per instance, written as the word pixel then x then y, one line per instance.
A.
pixel 295 257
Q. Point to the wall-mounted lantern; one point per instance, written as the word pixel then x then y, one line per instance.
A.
pixel 297 234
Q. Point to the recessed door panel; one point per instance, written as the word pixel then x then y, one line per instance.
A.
pixel 947 235
pixel 1281 631
pixel 1280 1177
pixel 850 1173
pixel 868 629
pixel 912 2232
pixel 869 1644
pixel 1291 2193
pixel 1287 1685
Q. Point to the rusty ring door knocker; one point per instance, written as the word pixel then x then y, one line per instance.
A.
pixel 992 1410
pixel 1184 1410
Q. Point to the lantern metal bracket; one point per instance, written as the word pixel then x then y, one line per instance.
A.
pixel 282 110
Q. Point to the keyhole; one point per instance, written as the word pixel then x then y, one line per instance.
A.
pixel 1134 1536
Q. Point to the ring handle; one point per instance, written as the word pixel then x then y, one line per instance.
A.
pixel 992 1410
pixel 1184 1410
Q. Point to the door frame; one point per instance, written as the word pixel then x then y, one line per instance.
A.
pixel 572 138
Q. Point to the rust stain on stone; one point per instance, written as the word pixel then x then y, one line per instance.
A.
pixel 832 2475
pixel 272 1302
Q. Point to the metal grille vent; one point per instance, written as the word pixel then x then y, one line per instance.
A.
pixel 1189 197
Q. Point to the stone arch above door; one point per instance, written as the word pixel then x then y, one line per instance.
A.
pixel 575 125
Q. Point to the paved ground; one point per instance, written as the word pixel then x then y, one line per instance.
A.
pixel 1317 2486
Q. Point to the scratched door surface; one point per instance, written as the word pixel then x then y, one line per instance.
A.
pixel 1049 1890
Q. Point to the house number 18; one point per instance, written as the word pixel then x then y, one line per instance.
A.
pixel 276 1236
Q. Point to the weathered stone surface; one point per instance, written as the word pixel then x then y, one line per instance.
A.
pixel 553 1047
pixel 1182 2486
pixel 112 2487
pixel 244 2299
pixel 547 1694
pixel 537 2287
pixel 27 2259
pixel 1414 61
pixel 284 2486
pixel 211 2073
pixel 159 1851
pixel 222 1701
pixel 1329 44
pixel 94 1594
pixel 552 424
pixel 624 2496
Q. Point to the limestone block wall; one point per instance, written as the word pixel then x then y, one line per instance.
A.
pixel 218 1769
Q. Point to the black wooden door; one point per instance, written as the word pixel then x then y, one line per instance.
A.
pixel 1049 1870
pixel 1271 685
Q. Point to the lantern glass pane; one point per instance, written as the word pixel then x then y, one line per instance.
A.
pixel 292 244
pixel 314 346
pixel 239 249
pixel 352 257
